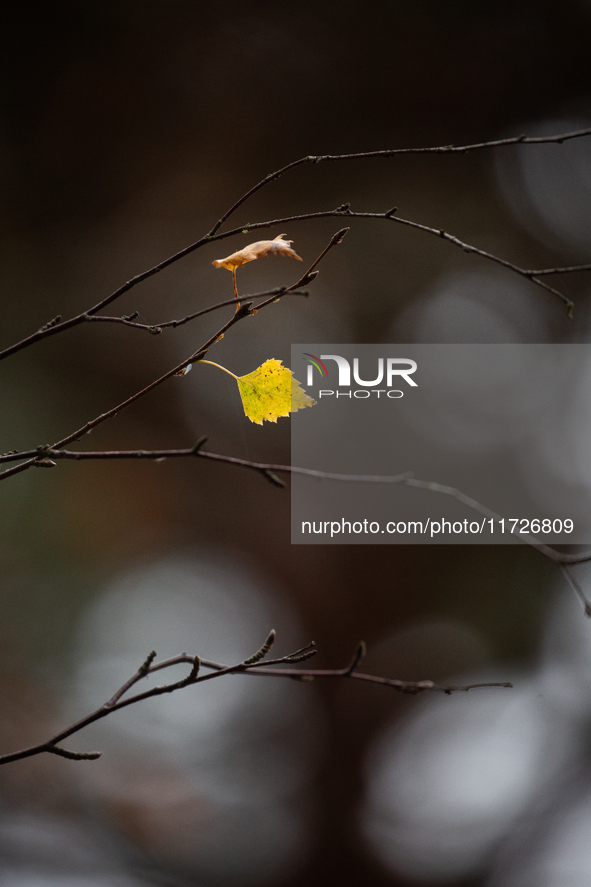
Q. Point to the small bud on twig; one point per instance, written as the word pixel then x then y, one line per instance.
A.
pixel 260 654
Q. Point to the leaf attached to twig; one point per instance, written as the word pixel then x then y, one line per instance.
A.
pixel 270 392
pixel 257 250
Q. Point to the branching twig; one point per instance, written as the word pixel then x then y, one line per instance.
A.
pixel 394 152
pixel 156 328
pixel 47 456
pixel 56 325
pixel 252 665
pixel 245 310
pixel 269 470
pixel 389 215
pixel 271 295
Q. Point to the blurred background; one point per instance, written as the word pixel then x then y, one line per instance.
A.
pixel 127 128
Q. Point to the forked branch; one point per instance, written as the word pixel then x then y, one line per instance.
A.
pixel 245 310
pixel 253 665
pixel 57 325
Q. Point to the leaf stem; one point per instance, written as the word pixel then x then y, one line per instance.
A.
pixel 235 287
pixel 211 363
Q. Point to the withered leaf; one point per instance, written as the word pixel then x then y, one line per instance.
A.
pixel 257 250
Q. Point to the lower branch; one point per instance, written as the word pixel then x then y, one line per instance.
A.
pixel 48 456
pixel 253 665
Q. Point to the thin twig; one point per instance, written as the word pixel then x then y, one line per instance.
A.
pixel 55 326
pixel 576 587
pixel 569 270
pixel 245 310
pixel 252 665
pixel 161 455
pixel 436 232
pixel 444 149
pixel 271 294
pixel 268 470
pixel 157 328
pixel 140 673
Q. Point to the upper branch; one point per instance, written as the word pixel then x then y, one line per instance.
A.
pixel 57 325
pixel 390 215
pixel 393 152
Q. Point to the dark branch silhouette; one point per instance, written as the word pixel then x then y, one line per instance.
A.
pixel 394 152
pixel 253 665
pixel 246 309
pixel 156 328
pixel 47 456
pixel 57 325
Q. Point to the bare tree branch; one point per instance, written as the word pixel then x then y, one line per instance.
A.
pixel 156 328
pixel 569 270
pixel 394 152
pixel 48 455
pixel 576 587
pixel 390 215
pixel 57 325
pixel 252 665
pixel 269 471
pixel 246 309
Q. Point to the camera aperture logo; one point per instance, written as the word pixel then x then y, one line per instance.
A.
pixel 390 371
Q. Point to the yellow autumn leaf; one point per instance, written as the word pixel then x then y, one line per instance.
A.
pixel 257 250
pixel 270 392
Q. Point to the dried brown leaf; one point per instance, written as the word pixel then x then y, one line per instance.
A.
pixel 257 250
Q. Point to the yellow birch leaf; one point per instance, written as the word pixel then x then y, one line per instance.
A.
pixel 270 392
pixel 257 250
